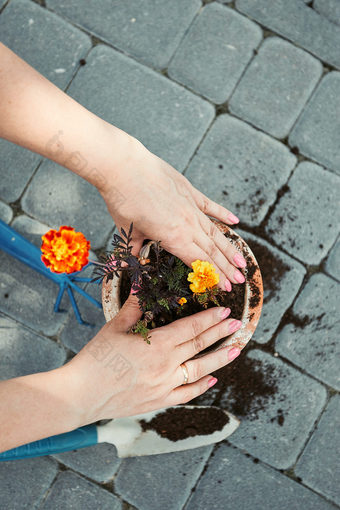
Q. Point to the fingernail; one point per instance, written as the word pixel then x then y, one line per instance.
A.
pixel 234 326
pixel 133 291
pixel 233 218
pixel 227 286
pixel 239 260
pixel 212 381
pixel 239 276
pixel 233 353
pixel 225 313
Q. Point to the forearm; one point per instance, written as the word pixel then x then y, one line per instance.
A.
pixel 37 115
pixel 37 406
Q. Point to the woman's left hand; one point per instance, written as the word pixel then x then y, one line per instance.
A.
pixel 164 206
pixel 137 186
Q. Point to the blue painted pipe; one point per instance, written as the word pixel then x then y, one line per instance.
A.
pixel 74 440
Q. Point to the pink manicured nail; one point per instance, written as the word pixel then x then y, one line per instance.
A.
pixel 225 313
pixel 212 381
pixel 133 291
pixel 234 326
pixel 233 218
pixel 239 276
pixel 233 353
pixel 239 260
pixel 227 286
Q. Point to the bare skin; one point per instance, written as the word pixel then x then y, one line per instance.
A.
pixel 136 186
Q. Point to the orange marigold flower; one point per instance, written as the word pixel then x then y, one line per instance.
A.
pixel 64 250
pixel 204 276
pixel 182 301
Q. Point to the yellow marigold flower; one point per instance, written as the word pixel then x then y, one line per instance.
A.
pixel 182 301
pixel 204 276
pixel 64 250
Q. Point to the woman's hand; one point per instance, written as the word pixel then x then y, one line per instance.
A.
pixel 164 206
pixel 119 374
pixel 137 186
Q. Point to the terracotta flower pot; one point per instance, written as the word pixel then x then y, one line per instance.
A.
pixel 253 297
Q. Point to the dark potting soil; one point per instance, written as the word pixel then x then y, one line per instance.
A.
pixel 247 386
pixel 279 418
pixel 180 423
pixel 272 268
pixel 300 321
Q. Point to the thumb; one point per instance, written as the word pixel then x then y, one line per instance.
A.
pixel 137 243
pixel 128 315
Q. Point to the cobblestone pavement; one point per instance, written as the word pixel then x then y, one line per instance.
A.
pixel 243 97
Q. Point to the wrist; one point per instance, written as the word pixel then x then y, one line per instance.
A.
pixel 123 156
pixel 115 178
pixel 80 404
pixel 67 389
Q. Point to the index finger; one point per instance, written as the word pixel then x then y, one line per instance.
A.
pixel 212 208
pixel 186 328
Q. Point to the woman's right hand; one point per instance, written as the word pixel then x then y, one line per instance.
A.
pixel 118 374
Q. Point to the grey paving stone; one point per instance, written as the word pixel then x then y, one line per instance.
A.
pixel 30 296
pixel 305 222
pixel 6 212
pixel 282 278
pixel 31 229
pixel 73 491
pixel 150 31
pixel 275 430
pixel 240 168
pixel 322 475
pixel 317 132
pixel 99 462
pixel 141 480
pixel 23 352
pixel 75 336
pixel 24 482
pixel 16 168
pixel 328 8
pixel 215 52
pixel 299 23
pixel 233 481
pixel 313 342
pixel 164 116
pixel 2 3
pixel 68 200
pixel 276 86
pixel 26 28
pixel 333 262
pixel 207 398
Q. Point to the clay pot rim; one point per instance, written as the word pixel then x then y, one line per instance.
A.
pixel 250 317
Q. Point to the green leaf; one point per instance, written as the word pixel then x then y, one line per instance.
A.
pixel 163 302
